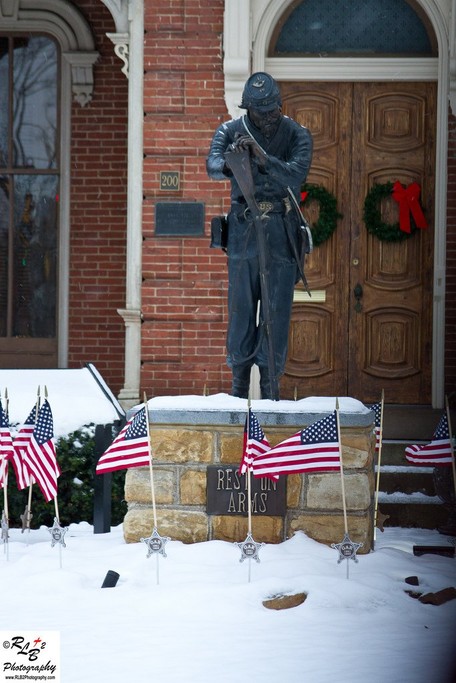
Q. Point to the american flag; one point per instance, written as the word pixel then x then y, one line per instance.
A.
pixel 255 442
pixel 6 446
pixel 20 444
pixel 40 457
pixel 315 449
pixel 438 452
pixel 130 448
pixel 377 408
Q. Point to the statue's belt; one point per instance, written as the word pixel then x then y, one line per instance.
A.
pixel 264 206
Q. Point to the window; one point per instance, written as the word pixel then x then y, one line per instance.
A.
pixel 353 28
pixel 29 194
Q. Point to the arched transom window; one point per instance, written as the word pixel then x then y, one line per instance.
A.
pixel 353 28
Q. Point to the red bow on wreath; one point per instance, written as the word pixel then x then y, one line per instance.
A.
pixel 408 199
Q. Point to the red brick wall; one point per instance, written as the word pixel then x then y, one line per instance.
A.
pixel 184 281
pixel 450 332
pixel 98 211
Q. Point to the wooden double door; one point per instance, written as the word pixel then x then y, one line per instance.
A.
pixel 368 325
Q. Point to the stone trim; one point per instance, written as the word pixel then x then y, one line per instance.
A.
pixel 65 23
pixel 121 48
pixel 81 64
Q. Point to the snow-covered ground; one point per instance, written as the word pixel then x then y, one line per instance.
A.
pixel 194 616
pixel 197 615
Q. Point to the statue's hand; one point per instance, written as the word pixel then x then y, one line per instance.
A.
pixel 244 143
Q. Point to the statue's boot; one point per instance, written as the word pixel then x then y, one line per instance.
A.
pixel 265 384
pixel 241 381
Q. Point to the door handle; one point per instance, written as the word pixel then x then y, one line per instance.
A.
pixel 358 294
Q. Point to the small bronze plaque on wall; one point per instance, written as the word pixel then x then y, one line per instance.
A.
pixel 169 181
pixel 183 219
pixel 227 493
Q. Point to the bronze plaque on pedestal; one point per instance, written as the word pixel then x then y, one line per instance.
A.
pixel 227 493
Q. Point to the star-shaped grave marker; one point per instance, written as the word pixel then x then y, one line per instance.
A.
pixel 249 548
pixel 26 518
pixel 155 543
pixel 5 528
pixel 58 534
pixel 381 519
pixel 347 549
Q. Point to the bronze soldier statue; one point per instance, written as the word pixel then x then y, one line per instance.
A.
pixel 280 152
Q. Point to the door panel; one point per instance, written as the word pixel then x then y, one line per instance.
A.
pixel 369 326
pixel 316 364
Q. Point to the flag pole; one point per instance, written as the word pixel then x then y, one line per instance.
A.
pixel 5 486
pixel 5 473
pixel 451 442
pixel 151 472
pixel 152 487
pixel 32 481
pixel 29 503
pixel 380 443
pixel 4 478
pixel 249 501
pixel 253 434
pixel 58 522
pixel 344 506
pixel 249 487
pixel 249 498
pixel 5 464
pixel 5 481
pixel 56 505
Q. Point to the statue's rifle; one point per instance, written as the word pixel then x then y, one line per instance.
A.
pixel 239 164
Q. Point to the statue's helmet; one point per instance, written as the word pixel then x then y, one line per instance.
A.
pixel 261 92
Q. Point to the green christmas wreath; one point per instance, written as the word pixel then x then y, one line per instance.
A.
pixel 324 227
pixel 387 232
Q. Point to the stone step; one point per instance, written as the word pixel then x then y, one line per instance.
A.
pixel 409 480
pixel 412 512
pixel 393 451
pixel 412 422
pixel 407 496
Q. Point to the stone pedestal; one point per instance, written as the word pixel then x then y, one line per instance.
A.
pixel 185 442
